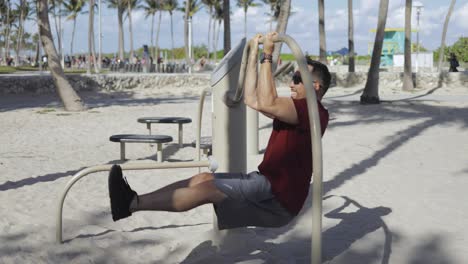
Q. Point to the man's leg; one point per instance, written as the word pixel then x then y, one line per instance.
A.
pixel 179 196
pixel 179 199
pixel 190 182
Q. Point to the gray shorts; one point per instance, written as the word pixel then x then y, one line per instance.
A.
pixel 249 202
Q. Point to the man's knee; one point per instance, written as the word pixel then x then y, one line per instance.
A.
pixel 201 177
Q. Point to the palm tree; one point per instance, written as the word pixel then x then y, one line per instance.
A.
pixel 20 37
pixel 150 9
pixel 160 8
pixel 351 64
pixel 24 12
pixel 219 16
pixel 444 32
pixel 91 47
pixel 57 12
pixel 131 4
pixel 119 5
pixel 170 6
pixel 245 4
pixel 186 29
pixel 281 25
pixel 70 99
pixel 274 10
pixel 210 4
pixel 7 21
pixel 408 74
pixel 74 8
pixel 227 26
pixel 190 8
pixel 323 44
pixel 370 95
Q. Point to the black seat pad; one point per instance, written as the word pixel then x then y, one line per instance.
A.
pixel 140 138
pixel 165 120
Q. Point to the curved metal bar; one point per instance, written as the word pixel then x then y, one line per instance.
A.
pixel 211 164
pixel 240 83
pixel 316 139
pixel 200 112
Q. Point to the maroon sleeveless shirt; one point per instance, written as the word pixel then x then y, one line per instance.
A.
pixel 287 161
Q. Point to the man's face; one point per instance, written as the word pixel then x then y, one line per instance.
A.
pixel 297 86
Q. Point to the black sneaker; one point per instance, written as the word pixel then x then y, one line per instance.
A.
pixel 120 194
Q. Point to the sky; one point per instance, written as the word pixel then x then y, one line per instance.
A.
pixel 302 26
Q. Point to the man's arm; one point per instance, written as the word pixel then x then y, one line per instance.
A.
pixel 250 92
pixel 268 101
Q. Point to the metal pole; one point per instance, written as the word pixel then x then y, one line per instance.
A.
pixel 199 119
pixel 252 131
pixel 228 120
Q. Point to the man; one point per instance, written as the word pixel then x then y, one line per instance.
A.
pixel 453 63
pixel 275 194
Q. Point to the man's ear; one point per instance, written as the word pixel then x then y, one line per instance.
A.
pixel 317 86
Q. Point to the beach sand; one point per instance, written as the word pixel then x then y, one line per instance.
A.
pixel 395 181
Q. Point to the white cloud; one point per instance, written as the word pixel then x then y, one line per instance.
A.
pixel 459 17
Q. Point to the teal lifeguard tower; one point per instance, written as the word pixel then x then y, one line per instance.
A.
pixel 393 43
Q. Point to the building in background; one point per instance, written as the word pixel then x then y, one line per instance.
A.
pixel 393 50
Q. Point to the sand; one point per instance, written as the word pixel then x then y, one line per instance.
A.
pixel 395 181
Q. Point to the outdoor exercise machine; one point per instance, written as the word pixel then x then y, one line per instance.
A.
pixel 231 130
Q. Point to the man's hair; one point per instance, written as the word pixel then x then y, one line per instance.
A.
pixel 320 71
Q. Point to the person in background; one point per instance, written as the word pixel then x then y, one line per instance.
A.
pixel 453 63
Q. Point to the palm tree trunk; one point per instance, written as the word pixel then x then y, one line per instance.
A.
pixel 120 12
pixel 37 57
pixel 130 27
pixel 351 64
pixel 20 32
pixel 209 31
pixel 93 48
pixel 217 39
pixel 172 39
pixel 73 36
pixel 408 74
pixel 444 33
pixel 281 26
pixel 245 24
pixel 157 33
pixel 323 44
pixel 214 42
pixel 152 39
pixel 90 35
pixel 57 30
pixel 370 94
pixel 186 36
pixel 70 99
pixel 227 26
pixel 7 35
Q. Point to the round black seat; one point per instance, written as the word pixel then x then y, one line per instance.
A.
pixel 133 138
pixel 165 120
pixel 205 143
pixel 180 121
